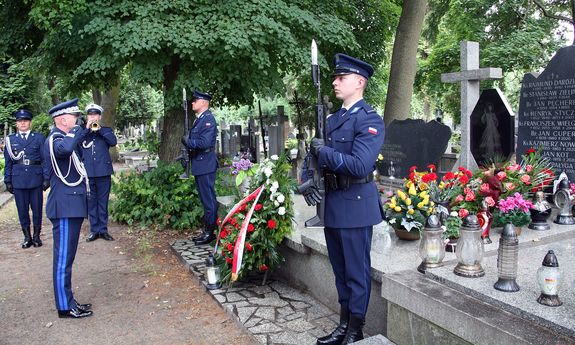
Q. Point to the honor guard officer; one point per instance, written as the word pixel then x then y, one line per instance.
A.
pixel 354 135
pixel 66 206
pixel 24 177
pixel 98 163
pixel 201 141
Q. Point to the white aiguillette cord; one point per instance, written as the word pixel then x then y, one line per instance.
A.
pixel 9 149
pixel 73 159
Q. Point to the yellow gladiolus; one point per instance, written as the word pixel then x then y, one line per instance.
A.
pixel 441 185
pixel 422 186
pixel 380 157
pixel 412 190
pixel 420 205
pixel 401 194
pixel 393 200
pixel 423 194
pixel 432 204
pixel 411 211
pixel 408 201
pixel 397 209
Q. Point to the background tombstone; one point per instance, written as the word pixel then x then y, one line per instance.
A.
pixel 547 112
pixel 414 142
pixel 492 127
pixel 235 137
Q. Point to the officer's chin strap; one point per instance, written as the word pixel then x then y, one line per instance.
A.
pixel 9 149
pixel 73 159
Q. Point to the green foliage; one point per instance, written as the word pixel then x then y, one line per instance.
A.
pixel 2 165
pixel 138 104
pixel 452 224
pixel 42 123
pixel 517 218
pixel 156 197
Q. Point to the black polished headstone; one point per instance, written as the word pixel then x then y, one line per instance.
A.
pixel 413 142
pixel 547 112
pixel 492 128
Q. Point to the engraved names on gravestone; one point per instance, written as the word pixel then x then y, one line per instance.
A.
pixel 492 128
pixel 547 112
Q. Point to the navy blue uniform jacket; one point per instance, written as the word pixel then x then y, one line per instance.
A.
pixel 353 142
pixel 202 139
pixel 65 201
pixel 96 152
pixel 25 176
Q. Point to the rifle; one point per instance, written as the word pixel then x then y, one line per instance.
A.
pixel 262 129
pixel 185 154
pixel 318 179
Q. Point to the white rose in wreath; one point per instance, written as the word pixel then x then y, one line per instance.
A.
pixel 268 172
pixel 281 198
pixel 281 211
pixel 274 157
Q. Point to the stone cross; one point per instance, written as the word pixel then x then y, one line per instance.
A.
pixel 469 77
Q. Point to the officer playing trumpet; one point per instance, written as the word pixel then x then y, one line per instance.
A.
pixel 98 162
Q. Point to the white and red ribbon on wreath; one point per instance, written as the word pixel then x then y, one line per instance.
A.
pixel 241 240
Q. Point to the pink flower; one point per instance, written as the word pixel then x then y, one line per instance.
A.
pixel 459 198
pixel 467 190
pixel 463 213
pixel 490 202
pixel 509 186
pixel 484 188
pixel 525 179
pixel 514 167
pixel 501 175
pixel 470 196
pixel 529 168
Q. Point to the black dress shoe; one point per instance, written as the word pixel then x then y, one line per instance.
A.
pixel 205 239
pixel 74 313
pixel 84 307
pixel 106 236
pixel 92 237
pixel 27 243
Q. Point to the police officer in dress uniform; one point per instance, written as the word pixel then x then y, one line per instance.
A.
pixel 24 175
pixel 201 141
pixel 352 205
pixel 66 206
pixel 98 163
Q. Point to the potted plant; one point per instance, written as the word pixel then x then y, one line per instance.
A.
pixel 410 207
pixel 451 226
pixel 512 209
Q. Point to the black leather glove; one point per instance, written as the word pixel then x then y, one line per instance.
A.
pixel 10 188
pixel 315 146
pixel 45 184
pixel 81 121
pixel 310 192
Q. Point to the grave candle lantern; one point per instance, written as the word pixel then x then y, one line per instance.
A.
pixel 507 260
pixel 540 211
pixel 212 273
pixel 431 247
pixel 563 200
pixel 549 279
pixel 469 249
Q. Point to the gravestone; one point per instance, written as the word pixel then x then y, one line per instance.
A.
pixel 469 78
pixel 413 142
pixel 492 127
pixel 547 112
pixel 235 137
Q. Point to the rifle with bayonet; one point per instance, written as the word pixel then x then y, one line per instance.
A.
pixel 185 154
pixel 313 189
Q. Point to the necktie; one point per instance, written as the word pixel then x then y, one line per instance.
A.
pixel 24 136
pixel 342 111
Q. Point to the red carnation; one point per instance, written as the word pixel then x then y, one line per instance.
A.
pixel 228 260
pixel 258 207
pixel 243 207
pixel 223 234
pixel 249 247
pixel 463 179
pixel 431 167
pixel 271 224
pixel 429 177
pixel 448 176
pixel 233 221
pixel 412 169
pixel 229 247
pixel 218 221
pixel 263 267
pixel 251 227
pixel 531 150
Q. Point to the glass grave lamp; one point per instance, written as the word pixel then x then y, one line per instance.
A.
pixel 507 256
pixel 540 212
pixel 212 273
pixel 469 249
pixel 391 170
pixel 431 246
pixel 563 200
pixel 549 279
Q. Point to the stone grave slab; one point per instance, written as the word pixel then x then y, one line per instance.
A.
pixel 492 128
pixel 547 112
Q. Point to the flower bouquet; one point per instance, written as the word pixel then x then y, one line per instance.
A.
pixel 270 221
pixel 513 209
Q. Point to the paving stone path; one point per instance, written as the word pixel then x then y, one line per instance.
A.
pixel 274 312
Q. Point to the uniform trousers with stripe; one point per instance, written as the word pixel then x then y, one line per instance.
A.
pixel 66 233
pixel 26 199
pixel 98 203
pixel 349 254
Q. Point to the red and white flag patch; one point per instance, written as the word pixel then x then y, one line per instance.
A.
pixel 208 124
pixel 372 130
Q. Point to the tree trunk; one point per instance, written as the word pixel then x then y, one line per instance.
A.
pixel 172 131
pixel 109 101
pixel 404 61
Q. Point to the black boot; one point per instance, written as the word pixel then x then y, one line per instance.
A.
pixel 338 334
pixel 36 241
pixel 355 330
pixel 201 234
pixel 208 236
pixel 27 243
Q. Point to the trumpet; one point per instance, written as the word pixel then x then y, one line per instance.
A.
pixel 95 126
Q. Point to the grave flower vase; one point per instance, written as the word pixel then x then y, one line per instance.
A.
pixel 405 235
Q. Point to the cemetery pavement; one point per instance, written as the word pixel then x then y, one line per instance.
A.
pixel 141 295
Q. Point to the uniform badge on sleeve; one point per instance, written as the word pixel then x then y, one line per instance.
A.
pixel 372 130
pixel 208 124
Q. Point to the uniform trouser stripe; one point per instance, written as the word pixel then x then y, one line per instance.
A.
pixel 59 270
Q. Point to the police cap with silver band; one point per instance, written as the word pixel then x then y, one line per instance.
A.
pixel 94 109
pixel 345 64
pixel 201 95
pixel 68 107
pixel 22 114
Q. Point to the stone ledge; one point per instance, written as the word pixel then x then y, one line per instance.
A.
pixel 464 316
pixel 375 340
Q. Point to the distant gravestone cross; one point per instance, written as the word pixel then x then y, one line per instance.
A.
pixel 469 77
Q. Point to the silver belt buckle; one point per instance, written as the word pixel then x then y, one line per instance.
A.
pixel 26 161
